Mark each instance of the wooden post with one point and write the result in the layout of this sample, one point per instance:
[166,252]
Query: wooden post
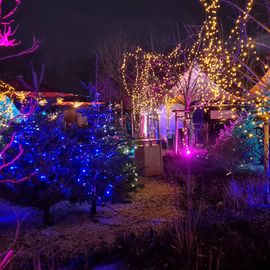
[187,129]
[157,120]
[132,124]
[122,124]
[266,149]
[168,119]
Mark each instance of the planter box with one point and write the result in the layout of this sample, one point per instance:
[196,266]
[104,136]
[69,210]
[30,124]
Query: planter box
[148,156]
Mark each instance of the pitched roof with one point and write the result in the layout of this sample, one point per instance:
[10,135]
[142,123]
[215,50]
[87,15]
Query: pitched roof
[263,86]
[195,86]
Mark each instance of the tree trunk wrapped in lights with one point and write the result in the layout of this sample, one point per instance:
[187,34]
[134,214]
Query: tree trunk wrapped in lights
[197,74]
[253,69]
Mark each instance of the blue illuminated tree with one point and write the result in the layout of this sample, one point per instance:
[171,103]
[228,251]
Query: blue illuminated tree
[45,152]
[105,168]
[80,164]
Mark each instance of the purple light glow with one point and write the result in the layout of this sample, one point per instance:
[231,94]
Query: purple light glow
[187,152]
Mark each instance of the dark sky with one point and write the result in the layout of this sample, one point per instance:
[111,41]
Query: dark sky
[72,28]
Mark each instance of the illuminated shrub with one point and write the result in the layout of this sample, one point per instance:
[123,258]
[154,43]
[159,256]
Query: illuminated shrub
[79,164]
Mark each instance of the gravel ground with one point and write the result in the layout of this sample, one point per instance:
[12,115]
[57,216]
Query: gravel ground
[75,233]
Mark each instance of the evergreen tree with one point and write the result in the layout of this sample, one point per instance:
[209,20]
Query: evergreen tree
[80,164]
[239,144]
[105,168]
[45,152]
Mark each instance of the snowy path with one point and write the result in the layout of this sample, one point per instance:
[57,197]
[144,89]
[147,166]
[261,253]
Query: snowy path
[76,233]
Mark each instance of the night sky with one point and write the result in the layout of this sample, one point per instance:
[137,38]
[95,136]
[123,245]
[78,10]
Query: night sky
[72,28]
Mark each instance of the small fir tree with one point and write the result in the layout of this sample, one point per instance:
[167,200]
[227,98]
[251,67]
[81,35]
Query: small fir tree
[45,152]
[239,144]
[105,168]
[80,164]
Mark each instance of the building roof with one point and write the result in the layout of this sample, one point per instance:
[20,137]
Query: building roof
[194,86]
[263,85]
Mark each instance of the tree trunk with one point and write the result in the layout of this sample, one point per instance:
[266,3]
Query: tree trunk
[93,209]
[266,149]
[47,217]
[266,159]
[189,209]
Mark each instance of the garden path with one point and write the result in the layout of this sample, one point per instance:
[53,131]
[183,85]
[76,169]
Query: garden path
[75,233]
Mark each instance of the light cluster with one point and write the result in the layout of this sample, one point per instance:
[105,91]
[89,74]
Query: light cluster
[7,108]
[147,77]
[9,112]
[210,72]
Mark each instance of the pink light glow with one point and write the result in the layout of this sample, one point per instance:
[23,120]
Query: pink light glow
[186,152]
[6,36]
[6,30]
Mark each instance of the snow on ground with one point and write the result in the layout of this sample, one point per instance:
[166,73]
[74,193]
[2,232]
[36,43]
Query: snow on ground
[75,233]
